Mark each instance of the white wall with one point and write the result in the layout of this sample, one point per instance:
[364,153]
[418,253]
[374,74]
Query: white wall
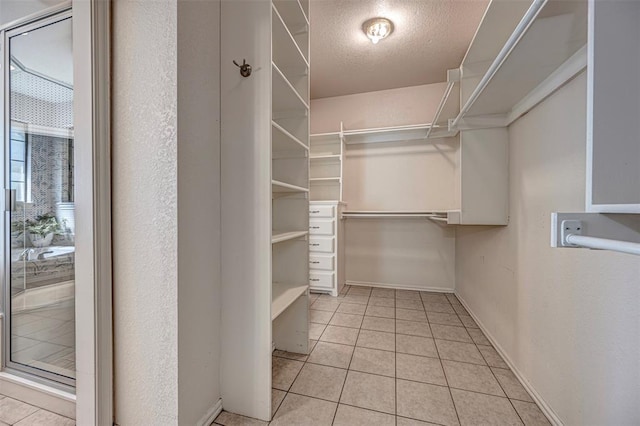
[165,210]
[404,175]
[566,318]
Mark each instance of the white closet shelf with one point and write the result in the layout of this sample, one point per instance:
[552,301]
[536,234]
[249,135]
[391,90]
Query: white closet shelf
[283,141]
[279,237]
[325,179]
[283,295]
[293,15]
[326,157]
[280,187]
[285,97]
[289,52]
[504,85]
[394,134]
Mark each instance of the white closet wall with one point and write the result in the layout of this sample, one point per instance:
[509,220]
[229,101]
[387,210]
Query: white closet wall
[400,175]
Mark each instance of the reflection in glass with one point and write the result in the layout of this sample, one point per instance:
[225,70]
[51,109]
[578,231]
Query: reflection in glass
[40,163]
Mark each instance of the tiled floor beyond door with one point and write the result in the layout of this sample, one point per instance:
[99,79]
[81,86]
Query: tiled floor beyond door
[18,413]
[394,357]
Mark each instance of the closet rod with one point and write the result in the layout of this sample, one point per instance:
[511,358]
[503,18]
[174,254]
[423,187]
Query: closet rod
[511,43]
[604,244]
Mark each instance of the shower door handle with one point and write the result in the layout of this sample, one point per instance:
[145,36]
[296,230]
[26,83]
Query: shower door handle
[10,200]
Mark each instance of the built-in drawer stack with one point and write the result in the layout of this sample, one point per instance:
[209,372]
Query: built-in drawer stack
[325,263]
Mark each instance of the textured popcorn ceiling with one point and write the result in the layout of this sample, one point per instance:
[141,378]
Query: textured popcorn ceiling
[430,37]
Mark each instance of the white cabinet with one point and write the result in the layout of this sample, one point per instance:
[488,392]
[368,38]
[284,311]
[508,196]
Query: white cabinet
[326,258]
[265,195]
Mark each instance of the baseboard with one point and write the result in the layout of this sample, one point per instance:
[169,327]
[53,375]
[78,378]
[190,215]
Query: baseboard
[546,409]
[211,414]
[37,394]
[400,286]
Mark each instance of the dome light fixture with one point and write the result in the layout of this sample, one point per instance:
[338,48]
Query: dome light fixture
[377,29]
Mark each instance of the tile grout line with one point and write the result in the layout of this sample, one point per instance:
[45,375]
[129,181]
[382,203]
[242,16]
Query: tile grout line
[455,408]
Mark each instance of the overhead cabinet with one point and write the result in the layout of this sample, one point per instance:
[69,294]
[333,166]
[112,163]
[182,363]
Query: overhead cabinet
[265,195]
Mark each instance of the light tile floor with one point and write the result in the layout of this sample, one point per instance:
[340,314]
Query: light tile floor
[397,358]
[18,413]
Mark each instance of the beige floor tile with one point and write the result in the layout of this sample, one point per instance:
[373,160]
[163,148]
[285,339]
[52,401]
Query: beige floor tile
[284,372]
[229,419]
[416,345]
[12,410]
[444,319]
[450,332]
[444,308]
[478,337]
[354,416]
[376,340]
[343,335]
[331,354]
[325,305]
[458,351]
[420,369]
[276,399]
[312,344]
[320,381]
[468,321]
[315,330]
[379,324]
[403,421]
[383,292]
[298,410]
[452,298]
[290,355]
[382,301]
[380,311]
[346,320]
[359,291]
[460,310]
[425,402]
[374,361]
[413,328]
[530,414]
[408,294]
[42,417]
[431,297]
[352,308]
[369,391]
[511,385]
[492,357]
[479,409]
[471,377]
[320,317]
[410,315]
[362,300]
[415,304]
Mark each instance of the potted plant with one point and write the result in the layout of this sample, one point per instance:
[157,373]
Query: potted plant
[42,229]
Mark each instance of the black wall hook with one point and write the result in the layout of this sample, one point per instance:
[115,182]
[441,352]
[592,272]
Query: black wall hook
[245,68]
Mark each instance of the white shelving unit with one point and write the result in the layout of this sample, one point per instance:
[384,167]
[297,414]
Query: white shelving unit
[326,158]
[265,192]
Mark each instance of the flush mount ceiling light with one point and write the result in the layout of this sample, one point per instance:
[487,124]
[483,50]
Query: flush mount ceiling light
[377,29]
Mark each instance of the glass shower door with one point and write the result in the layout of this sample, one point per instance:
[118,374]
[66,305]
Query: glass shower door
[40,252]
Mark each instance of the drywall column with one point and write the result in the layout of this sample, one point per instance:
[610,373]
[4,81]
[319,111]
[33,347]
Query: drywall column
[166,210]
[566,319]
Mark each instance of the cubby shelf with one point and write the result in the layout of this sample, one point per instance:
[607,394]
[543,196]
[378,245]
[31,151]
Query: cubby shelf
[283,295]
[279,237]
[283,141]
[325,179]
[286,100]
[283,187]
[326,157]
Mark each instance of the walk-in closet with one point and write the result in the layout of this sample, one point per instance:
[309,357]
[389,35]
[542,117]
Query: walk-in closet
[407,187]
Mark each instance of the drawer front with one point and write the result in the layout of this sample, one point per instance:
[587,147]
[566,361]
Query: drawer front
[321,244]
[321,227]
[319,261]
[321,279]
[321,211]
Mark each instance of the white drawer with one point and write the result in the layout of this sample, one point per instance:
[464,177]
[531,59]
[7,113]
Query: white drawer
[321,227]
[321,244]
[321,211]
[321,279]
[321,261]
